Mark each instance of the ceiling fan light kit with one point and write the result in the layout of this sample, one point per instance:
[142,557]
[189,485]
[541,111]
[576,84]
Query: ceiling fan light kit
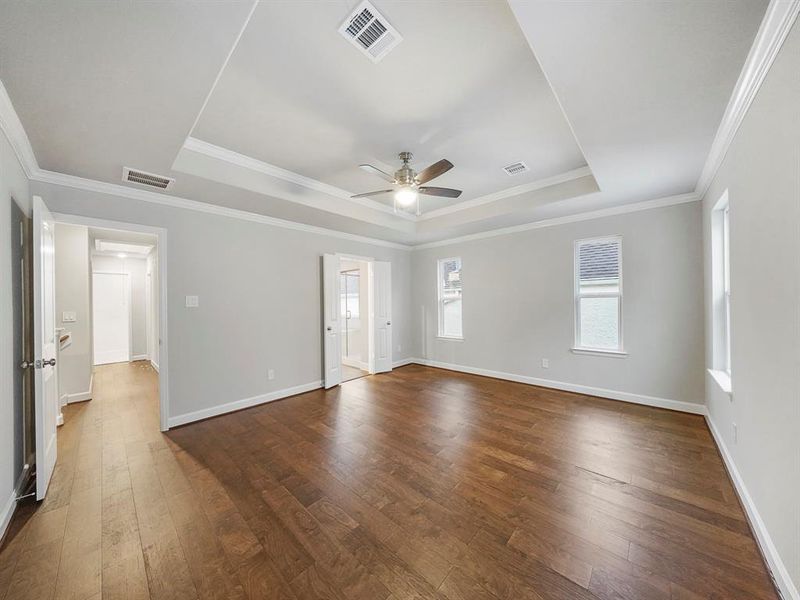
[410,183]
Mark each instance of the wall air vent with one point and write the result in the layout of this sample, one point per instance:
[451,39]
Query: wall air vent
[370,32]
[143,178]
[516,168]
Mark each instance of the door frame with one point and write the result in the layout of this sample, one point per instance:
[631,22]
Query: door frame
[161,250]
[370,304]
[129,294]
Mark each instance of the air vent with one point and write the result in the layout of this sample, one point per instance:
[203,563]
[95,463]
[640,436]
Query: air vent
[370,32]
[143,178]
[516,168]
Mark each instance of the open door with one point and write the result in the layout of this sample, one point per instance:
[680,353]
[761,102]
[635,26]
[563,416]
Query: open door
[382,316]
[331,323]
[44,344]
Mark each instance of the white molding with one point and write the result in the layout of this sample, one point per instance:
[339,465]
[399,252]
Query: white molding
[595,352]
[775,26]
[678,405]
[253,164]
[508,193]
[136,357]
[584,216]
[778,569]
[228,407]
[177,202]
[403,362]
[8,511]
[356,364]
[154,365]
[15,133]
[82,396]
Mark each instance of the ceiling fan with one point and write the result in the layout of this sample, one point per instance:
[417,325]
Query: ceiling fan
[410,183]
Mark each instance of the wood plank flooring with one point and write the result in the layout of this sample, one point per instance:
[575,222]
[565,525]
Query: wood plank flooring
[419,484]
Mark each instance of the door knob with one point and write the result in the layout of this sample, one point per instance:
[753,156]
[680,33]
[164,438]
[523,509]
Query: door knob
[329,328]
[26,365]
[51,363]
[388,322]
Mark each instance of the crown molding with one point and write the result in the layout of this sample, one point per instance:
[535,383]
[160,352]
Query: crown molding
[584,216]
[777,22]
[508,193]
[11,125]
[248,162]
[101,187]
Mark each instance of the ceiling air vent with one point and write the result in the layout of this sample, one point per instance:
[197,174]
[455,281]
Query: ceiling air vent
[143,178]
[516,168]
[370,32]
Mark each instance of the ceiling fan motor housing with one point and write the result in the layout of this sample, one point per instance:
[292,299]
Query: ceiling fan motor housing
[405,175]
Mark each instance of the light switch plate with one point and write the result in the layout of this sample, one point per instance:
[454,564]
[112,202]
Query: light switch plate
[192,301]
[68,316]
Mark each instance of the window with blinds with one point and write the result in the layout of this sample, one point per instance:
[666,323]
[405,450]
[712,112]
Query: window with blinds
[598,294]
[450,297]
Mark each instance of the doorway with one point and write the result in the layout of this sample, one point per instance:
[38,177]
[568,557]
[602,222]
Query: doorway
[356,315]
[354,304]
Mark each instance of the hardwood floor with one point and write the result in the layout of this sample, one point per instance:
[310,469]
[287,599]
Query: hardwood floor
[421,483]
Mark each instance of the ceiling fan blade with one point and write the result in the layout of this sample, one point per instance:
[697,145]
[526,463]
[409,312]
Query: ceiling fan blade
[379,192]
[437,191]
[376,171]
[433,171]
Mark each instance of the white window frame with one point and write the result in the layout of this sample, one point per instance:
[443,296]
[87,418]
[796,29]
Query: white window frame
[440,300]
[578,348]
[726,289]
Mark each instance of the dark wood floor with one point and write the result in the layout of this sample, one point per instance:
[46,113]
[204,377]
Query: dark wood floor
[421,483]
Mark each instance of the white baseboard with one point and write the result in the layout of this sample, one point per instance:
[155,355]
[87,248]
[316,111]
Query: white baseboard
[679,405]
[82,396]
[7,512]
[355,363]
[154,365]
[240,404]
[403,362]
[136,357]
[779,572]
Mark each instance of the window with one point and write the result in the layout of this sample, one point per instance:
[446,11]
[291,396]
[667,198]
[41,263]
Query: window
[449,287]
[598,294]
[726,288]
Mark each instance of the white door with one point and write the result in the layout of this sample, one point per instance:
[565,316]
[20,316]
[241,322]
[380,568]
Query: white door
[382,316]
[331,321]
[110,318]
[44,344]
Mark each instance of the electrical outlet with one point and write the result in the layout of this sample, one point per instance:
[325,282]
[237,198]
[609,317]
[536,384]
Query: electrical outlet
[68,316]
[192,301]
[270,374]
[545,363]
[735,434]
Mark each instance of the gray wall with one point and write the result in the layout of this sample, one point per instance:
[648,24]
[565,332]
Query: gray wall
[518,304]
[259,289]
[760,172]
[72,294]
[13,189]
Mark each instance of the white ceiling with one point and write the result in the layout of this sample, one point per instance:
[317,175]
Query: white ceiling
[271,112]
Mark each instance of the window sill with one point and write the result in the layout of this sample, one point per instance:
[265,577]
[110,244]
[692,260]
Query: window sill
[593,352]
[723,380]
[449,338]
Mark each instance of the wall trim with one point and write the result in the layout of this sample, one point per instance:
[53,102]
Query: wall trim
[114,189]
[677,405]
[775,26]
[136,357]
[584,216]
[154,365]
[358,364]
[508,193]
[253,164]
[403,362]
[15,133]
[81,396]
[780,573]
[228,407]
